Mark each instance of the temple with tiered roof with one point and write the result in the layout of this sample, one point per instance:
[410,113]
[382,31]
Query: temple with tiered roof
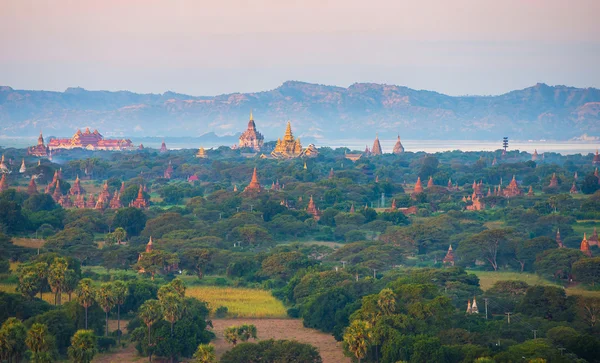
[553,181]
[512,190]
[312,209]
[140,201]
[90,141]
[585,247]
[251,138]
[288,147]
[254,185]
[40,149]
[418,187]
[376,149]
[398,148]
[596,160]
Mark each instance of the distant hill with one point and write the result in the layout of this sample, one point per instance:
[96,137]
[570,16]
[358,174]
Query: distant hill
[359,111]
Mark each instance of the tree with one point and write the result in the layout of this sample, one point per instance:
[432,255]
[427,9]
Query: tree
[205,354]
[272,351]
[120,234]
[85,296]
[251,234]
[132,220]
[196,259]
[120,293]
[12,340]
[57,277]
[29,283]
[587,270]
[150,312]
[557,262]
[588,309]
[387,301]
[83,346]
[243,333]
[71,280]
[106,300]
[171,303]
[526,251]
[357,338]
[487,245]
[41,344]
[156,261]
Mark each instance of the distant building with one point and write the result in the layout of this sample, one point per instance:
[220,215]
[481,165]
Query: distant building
[251,138]
[40,149]
[90,141]
[398,148]
[376,150]
[288,147]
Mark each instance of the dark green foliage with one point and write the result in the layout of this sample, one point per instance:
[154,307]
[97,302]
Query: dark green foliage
[59,324]
[548,302]
[18,306]
[272,351]
[132,220]
[138,292]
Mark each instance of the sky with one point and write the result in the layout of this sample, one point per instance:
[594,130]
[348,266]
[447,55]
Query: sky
[202,47]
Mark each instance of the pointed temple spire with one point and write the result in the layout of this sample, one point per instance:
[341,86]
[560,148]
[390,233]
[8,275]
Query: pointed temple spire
[398,148]
[254,183]
[530,192]
[394,207]
[163,147]
[149,246]
[575,176]
[449,258]
[115,202]
[469,311]
[593,241]
[352,208]
[534,156]
[418,186]
[312,209]
[474,309]
[553,181]
[32,187]
[140,201]
[585,247]
[376,150]
[574,189]
[430,182]
[122,187]
[57,193]
[596,160]
[331,174]
[23,168]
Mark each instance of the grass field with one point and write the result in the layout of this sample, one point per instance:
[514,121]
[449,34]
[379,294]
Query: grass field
[240,302]
[47,296]
[29,242]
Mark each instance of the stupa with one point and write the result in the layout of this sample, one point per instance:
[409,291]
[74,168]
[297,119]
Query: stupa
[140,201]
[449,258]
[376,150]
[418,186]
[398,148]
[585,247]
[40,149]
[288,147]
[254,185]
[312,209]
[251,138]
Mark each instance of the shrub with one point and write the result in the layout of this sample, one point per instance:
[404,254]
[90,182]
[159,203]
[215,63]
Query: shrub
[105,343]
[221,312]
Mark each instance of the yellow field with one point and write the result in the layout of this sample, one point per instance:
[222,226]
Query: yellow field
[28,242]
[240,302]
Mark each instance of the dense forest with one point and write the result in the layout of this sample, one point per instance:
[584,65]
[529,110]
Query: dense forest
[446,257]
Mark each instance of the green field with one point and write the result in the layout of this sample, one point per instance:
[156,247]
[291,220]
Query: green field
[240,302]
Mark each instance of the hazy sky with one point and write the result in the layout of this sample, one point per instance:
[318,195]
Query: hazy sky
[204,47]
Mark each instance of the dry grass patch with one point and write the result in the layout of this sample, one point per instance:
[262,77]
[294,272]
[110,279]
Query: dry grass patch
[488,278]
[240,302]
[28,242]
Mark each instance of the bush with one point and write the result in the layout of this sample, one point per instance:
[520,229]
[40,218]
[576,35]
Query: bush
[293,312]
[221,312]
[220,281]
[105,343]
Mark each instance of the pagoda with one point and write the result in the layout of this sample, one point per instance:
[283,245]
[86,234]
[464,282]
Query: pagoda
[573,189]
[352,210]
[331,174]
[449,258]
[585,247]
[430,182]
[251,138]
[3,183]
[495,161]
[512,190]
[474,309]
[288,147]
[57,193]
[534,156]
[163,147]
[596,160]
[201,153]
[530,192]
[593,241]
[90,141]
[122,190]
[312,209]
[90,202]
[23,168]
[477,203]
[104,194]
[575,176]
[65,202]
[99,204]
[76,187]
[418,186]
[32,187]
[553,181]
[398,148]
[254,185]
[115,202]
[310,151]
[558,239]
[450,185]
[140,201]
[3,167]
[376,150]
[169,171]
[40,149]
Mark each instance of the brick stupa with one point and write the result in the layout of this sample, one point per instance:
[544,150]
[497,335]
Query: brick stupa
[254,185]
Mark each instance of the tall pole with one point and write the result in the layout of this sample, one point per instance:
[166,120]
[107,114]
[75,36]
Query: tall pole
[534,334]
[486,311]
[508,316]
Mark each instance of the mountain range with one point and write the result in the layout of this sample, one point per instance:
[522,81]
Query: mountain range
[316,111]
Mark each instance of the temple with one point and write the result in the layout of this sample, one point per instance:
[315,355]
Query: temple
[32,187]
[90,141]
[553,181]
[312,209]
[585,247]
[474,309]
[418,186]
[398,148]
[76,188]
[288,147]
[40,149]
[558,239]
[163,147]
[573,189]
[3,166]
[201,153]
[449,258]
[254,185]
[596,160]
[534,156]
[3,183]
[430,182]
[376,150]
[512,190]
[593,241]
[23,167]
[251,138]
[140,201]
[168,174]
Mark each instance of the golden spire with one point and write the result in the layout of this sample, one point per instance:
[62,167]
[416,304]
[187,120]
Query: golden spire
[251,116]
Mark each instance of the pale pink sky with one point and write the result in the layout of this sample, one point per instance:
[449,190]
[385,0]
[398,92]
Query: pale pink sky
[211,47]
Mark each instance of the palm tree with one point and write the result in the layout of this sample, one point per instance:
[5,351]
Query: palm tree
[106,299]
[150,312]
[29,283]
[171,300]
[71,281]
[56,278]
[83,346]
[12,340]
[231,335]
[119,293]
[179,286]
[85,296]
[387,301]
[357,337]
[40,343]
[205,354]
[41,270]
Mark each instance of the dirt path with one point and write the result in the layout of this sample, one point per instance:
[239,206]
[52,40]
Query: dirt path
[291,329]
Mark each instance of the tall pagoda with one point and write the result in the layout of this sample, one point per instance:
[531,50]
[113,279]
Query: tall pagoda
[163,147]
[585,247]
[251,138]
[512,190]
[288,147]
[418,186]
[76,188]
[115,202]
[32,187]
[312,209]
[3,183]
[140,201]
[593,241]
[596,160]
[376,150]
[430,182]
[558,239]
[40,149]
[398,148]
[553,181]
[201,153]
[254,185]
[574,189]
[534,156]
[23,168]
[168,174]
